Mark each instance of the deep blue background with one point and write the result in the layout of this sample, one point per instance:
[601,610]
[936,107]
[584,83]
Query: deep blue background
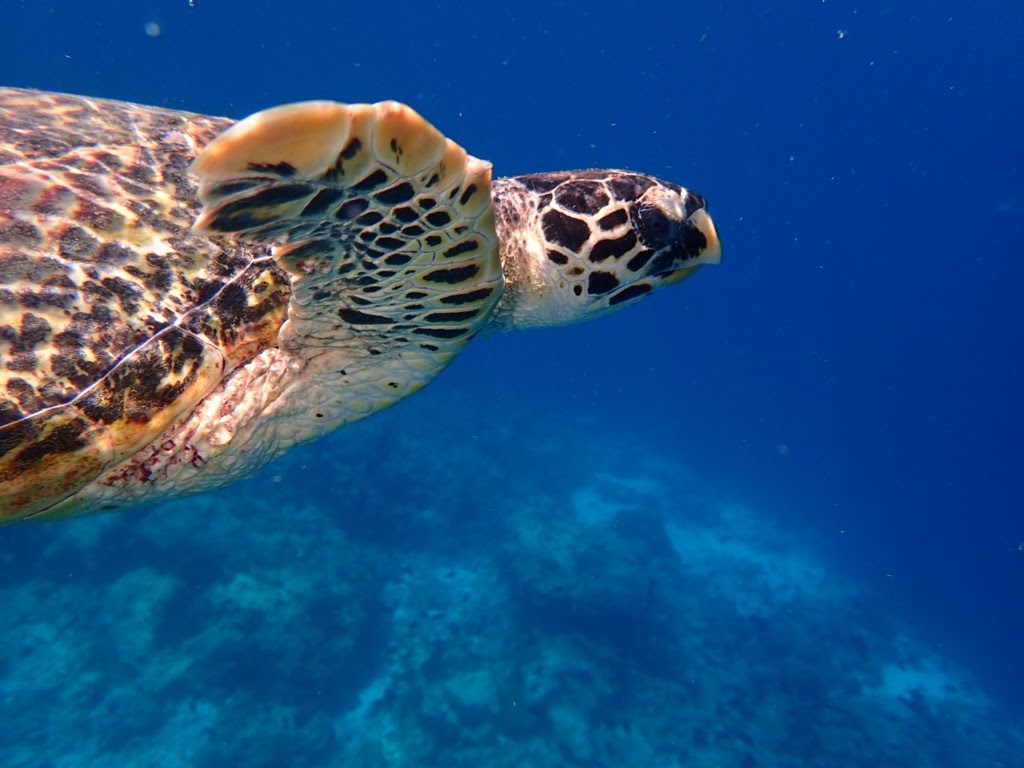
[854,366]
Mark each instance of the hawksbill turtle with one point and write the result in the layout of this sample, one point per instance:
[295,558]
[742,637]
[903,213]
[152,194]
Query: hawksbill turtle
[184,298]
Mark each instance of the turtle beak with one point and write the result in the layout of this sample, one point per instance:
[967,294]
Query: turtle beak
[700,222]
[701,243]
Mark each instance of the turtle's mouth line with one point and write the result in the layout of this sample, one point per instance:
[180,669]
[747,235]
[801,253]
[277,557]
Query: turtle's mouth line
[673,276]
[700,244]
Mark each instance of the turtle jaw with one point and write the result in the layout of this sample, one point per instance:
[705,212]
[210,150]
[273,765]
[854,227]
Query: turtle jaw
[702,247]
[700,222]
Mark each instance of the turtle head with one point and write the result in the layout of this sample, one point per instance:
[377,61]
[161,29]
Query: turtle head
[577,245]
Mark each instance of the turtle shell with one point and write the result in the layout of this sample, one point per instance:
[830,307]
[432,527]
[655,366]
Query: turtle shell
[115,317]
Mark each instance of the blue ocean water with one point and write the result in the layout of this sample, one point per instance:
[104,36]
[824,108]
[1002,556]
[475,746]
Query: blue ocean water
[772,516]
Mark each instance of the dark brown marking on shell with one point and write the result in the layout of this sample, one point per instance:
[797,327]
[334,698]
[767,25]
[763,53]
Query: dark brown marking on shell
[565,230]
[19,268]
[639,261]
[601,282]
[54,201]
[20,234]
[405,214]
[470,297]
[358,317]
[141,385]
[34,330]
[367,219]
[354,209]
[322,201]
[282,169]
[115,254]
[441,333]
[61,439]
[351,149]
[466,246]
[614,219]
[467,195]
[16,432]
[376,179]
[98,218]
[612,248]
[630,292]
[627,187]
[453,275]
[450,317]
[587,197]
[438,219]
[243,316]
[77,244]
[399,193]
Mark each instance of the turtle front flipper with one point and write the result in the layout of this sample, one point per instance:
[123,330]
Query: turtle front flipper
[387,230]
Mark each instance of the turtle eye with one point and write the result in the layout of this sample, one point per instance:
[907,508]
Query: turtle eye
[653,227]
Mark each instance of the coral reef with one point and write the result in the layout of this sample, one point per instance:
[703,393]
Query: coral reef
[517,599]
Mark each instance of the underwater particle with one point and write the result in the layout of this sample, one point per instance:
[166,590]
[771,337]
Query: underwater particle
[152,29]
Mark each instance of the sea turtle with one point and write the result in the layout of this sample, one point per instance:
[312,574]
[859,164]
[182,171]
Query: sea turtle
[184,298]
